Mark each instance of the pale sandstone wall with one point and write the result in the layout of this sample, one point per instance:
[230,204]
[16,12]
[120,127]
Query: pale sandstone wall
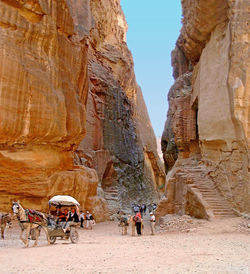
[222,136]
[215,43]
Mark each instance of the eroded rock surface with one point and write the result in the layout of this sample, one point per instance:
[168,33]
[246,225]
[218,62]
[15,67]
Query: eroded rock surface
[119,140]
[66,72]
[207,121]
[43,104]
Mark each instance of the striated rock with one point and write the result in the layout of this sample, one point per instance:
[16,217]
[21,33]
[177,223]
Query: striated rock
[119,135]
[179,136]
[66,73]
[211,118]
[42,102]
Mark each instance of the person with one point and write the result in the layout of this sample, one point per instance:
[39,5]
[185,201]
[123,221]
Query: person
[150,208]
[154,206]
[82,218]
[72,217]
[89,220]
[138,223]
[63,215]
[152,223]
[132,208]
[136,208]
[144,208]
[141,210]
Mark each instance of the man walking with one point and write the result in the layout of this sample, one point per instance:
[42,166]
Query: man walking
[152,223]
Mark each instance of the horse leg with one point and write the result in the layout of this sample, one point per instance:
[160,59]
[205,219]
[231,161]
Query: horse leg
[21,236]
[27,235]
[2,231]
[133,228]
[36,235]
[47,234]
[125,230]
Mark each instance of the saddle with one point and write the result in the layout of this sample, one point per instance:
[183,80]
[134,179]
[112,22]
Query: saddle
[34,216]
[124,221]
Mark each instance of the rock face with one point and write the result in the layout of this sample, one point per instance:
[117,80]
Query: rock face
[207,130]
[120,141]
[66,72]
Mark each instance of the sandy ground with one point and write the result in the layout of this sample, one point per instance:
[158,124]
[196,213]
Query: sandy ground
[220,246]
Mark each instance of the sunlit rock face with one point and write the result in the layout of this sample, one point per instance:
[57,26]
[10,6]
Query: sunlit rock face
[66,73]
[43,92]
[208,120]
[120,143]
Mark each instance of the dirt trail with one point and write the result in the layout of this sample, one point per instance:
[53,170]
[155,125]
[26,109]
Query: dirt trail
[221,246]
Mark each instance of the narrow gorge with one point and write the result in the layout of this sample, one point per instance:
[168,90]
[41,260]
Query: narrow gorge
[73,119]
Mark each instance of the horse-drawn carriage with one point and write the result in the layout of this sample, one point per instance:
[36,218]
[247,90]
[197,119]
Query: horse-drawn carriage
[58,228]
[32,221]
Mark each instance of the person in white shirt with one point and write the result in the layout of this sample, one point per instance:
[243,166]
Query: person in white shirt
[152,223]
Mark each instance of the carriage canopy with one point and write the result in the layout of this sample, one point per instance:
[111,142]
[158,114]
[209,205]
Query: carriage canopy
[63,200]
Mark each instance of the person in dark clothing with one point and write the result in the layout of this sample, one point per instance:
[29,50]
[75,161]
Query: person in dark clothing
[138,223]
[150,208]
[82,218]
[154,206]
[141,211]
[73,216]
[136,209]
[63,215]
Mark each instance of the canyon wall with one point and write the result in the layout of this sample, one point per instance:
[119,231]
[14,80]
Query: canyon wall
[120,143]
[66,73]
[206,136]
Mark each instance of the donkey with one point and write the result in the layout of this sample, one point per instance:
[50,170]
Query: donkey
[4,220]
[30,219]
[123,223]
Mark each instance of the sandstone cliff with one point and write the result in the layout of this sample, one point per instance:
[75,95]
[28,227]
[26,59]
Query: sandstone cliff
[206,138]
[120,142]
[66,72]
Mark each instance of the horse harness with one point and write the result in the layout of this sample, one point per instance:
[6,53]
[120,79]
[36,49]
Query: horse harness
[32,216]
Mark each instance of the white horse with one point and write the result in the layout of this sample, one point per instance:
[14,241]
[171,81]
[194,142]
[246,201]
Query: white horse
[39,220]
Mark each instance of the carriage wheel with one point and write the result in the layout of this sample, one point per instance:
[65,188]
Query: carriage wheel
[52,239]
[73,235]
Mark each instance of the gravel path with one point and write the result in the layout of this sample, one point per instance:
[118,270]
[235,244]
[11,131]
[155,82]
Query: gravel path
[221,246]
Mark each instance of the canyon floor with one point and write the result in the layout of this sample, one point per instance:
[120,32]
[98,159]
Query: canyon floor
[218,246]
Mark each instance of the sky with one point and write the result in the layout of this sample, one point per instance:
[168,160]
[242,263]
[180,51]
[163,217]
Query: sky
[153,28]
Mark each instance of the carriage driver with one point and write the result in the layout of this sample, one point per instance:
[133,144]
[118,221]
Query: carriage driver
[73,216]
